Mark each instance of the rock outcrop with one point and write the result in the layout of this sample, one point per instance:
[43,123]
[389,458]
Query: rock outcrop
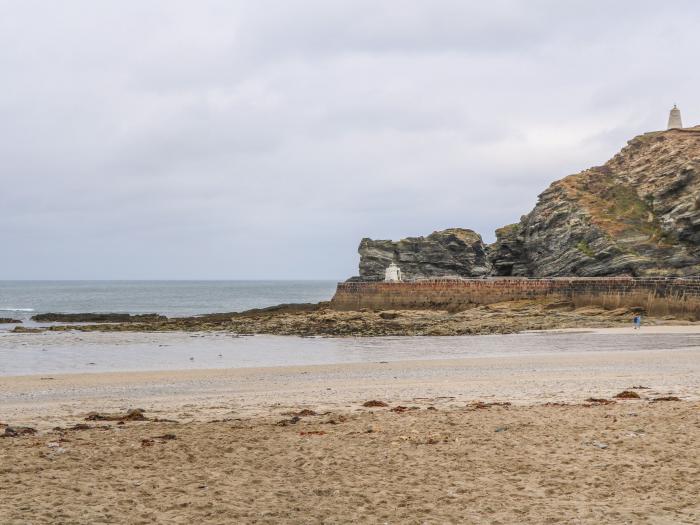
[499,318]
[507,254]
[454,252]
[52,317]
[638,215]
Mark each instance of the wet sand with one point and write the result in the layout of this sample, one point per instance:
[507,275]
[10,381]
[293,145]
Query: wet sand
[51,353]
[446,461]
[200,394]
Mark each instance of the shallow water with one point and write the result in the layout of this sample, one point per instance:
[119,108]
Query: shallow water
[74,352]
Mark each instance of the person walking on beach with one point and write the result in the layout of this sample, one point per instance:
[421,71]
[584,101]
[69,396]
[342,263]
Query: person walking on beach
[637,321]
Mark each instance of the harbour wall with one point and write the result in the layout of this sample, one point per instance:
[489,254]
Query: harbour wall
[654,296]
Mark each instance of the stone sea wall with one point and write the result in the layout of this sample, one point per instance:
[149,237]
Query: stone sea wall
[655,296]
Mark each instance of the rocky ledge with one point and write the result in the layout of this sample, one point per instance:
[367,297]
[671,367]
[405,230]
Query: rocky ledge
[320,320]
[7,320]
[97,318]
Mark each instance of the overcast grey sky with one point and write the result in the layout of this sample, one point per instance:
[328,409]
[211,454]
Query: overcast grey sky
[264,139]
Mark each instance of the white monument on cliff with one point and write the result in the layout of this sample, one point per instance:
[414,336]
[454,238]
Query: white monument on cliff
[392,274]
[674,119]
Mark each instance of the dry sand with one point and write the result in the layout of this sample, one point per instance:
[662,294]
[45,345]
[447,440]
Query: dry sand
[634,461]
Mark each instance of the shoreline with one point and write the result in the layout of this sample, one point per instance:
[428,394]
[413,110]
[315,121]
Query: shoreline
[531,379]
[512,316]
[644,330]
[77,352]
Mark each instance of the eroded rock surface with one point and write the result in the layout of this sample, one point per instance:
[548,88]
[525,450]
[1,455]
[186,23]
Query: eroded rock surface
[498,318]
[96,318]
[455,252]
[638,214]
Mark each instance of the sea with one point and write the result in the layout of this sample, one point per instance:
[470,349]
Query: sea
[23,299]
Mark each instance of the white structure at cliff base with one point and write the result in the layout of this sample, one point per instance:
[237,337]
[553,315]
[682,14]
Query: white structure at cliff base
[392,274]
[674,119]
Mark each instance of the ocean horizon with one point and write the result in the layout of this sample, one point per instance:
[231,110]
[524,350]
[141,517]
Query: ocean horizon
[22,299]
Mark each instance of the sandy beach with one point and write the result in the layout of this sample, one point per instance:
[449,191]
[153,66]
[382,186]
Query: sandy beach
[349,262]
[233,445]
[632,462]
[48,400]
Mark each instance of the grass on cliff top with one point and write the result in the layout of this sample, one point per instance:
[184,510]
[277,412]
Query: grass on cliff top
[585,249]
[615,208]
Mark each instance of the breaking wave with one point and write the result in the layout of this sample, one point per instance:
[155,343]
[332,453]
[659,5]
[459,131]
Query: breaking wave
[16,309]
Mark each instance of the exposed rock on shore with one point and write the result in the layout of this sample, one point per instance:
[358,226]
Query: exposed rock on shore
[499,318]
[7,320]
[454,252]
[97,318]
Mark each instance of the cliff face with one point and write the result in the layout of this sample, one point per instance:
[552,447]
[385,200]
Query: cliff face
[449,253]
[638,214]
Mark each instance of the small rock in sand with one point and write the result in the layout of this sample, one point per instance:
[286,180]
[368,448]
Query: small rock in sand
[135,414]
[600,401]
[481,404]
[285,422]
[166,437]
[80,426]
[302,413]
[627,394]
[374,403]
[18,431]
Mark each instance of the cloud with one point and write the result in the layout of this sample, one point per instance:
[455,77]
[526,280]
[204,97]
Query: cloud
[218,139]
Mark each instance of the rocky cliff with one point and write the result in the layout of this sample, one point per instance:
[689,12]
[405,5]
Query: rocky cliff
[638,215]
[454,252]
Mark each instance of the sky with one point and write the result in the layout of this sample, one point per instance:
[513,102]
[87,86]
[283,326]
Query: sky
[168,139]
